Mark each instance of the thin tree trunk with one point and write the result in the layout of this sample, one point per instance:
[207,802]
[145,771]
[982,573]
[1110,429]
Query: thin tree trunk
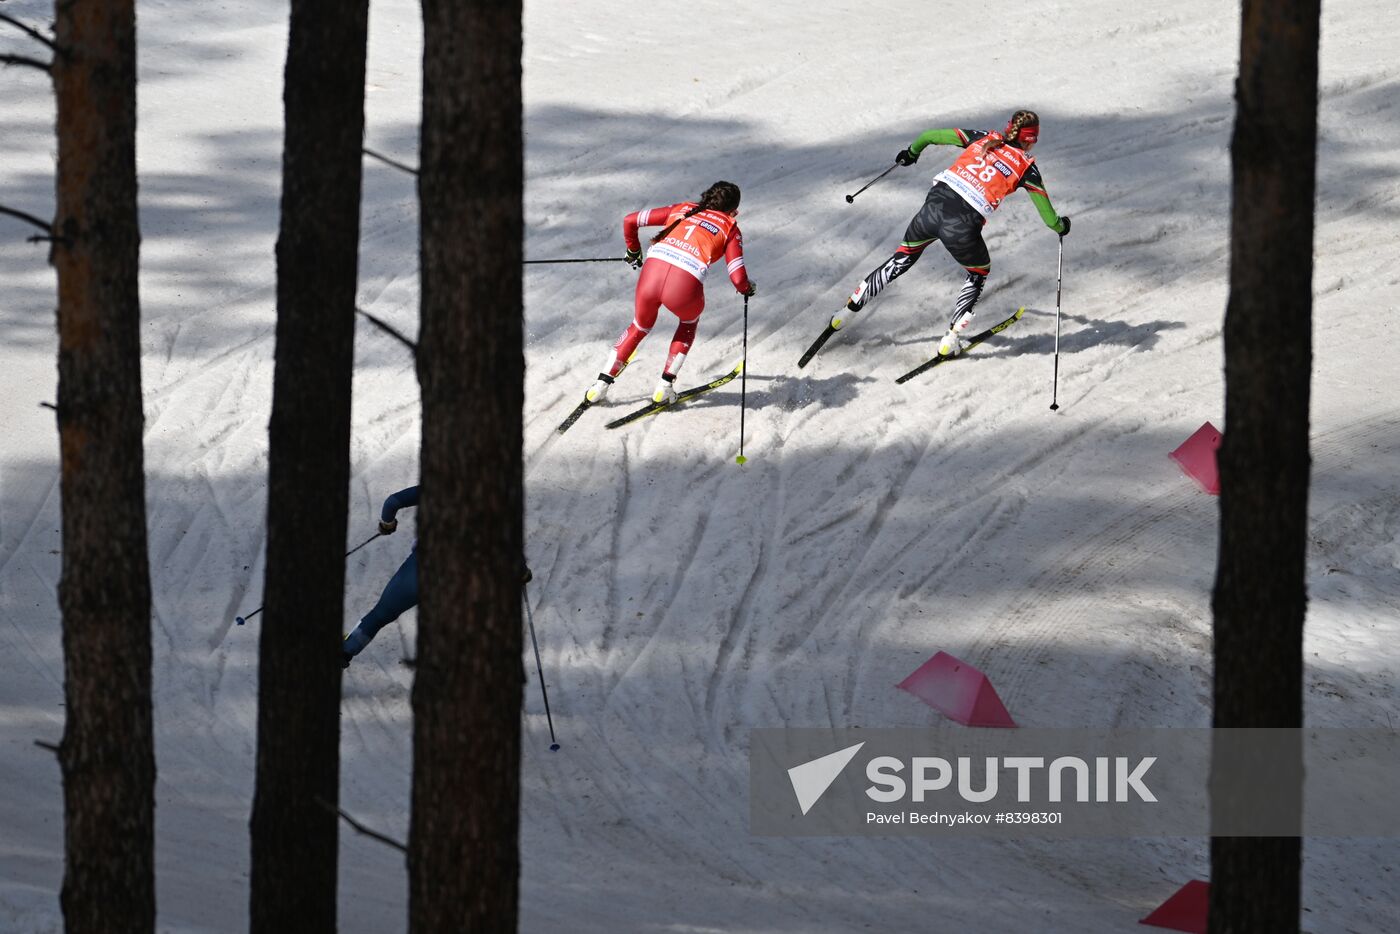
[1260,593]
[108,749]
[294,841]
[463,836]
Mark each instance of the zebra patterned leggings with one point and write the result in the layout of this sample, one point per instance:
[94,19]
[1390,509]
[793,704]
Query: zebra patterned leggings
[944,217]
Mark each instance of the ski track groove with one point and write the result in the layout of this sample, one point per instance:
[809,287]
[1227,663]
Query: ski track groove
[1045,452]
[1013,647]
[37,659]
[837,601]
[169,544]
[685,564]
[975,532]
[206,369]
[614,555]
[839,520]
[216,682]
[32,522]
[238,594]
[389,415]
[536,459]
[831,719]
[774,547]
[224,516]
[740,618]
[159,617]
[545,418]
[996,518]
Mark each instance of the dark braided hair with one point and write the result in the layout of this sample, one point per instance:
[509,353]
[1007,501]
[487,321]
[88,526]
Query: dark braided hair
[721,196]
[1019,120]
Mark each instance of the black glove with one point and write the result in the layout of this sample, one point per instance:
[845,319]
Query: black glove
[753,287]
[526,576]
[1064,220]
[634,258]
[389,527]
[906,157]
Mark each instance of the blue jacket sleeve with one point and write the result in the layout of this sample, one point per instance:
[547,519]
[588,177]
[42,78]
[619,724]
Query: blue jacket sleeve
[403,499]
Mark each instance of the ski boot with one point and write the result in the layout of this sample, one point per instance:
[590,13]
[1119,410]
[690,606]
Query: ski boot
[599,390]
[665,392]
[953,342]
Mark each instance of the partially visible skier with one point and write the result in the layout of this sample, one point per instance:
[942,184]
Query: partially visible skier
[963,196]
[696,234]
[401,593]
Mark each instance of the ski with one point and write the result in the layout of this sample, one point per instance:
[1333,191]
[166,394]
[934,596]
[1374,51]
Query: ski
[822,338]
[651,408]
[975,340]
[574,416]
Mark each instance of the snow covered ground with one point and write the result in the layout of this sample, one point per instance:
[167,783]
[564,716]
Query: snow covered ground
[682,600]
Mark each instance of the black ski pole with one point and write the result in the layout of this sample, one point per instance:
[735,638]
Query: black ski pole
[589,259]
[743,383]
[363,544]
[530,617]
[1059,282]
[240,620]
[851,198]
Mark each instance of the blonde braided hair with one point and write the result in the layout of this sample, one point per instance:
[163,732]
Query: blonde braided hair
[1019,120]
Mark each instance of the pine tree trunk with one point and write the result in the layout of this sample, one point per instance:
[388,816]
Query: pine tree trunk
[1260,594]
[107,753]
[294,840]
[463,836]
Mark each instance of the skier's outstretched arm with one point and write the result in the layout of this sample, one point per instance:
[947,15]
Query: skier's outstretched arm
[949,137]
[1035,187]
[403,499]
[647,217]
[734,263]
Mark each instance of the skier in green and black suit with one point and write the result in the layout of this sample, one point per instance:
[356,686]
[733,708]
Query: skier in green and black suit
[963,196]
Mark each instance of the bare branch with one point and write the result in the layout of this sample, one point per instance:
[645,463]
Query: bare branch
[390,841]
[387,161]
[47,405]
[45,226]
[30,62]
[390,330]
[32,33]
[45,745]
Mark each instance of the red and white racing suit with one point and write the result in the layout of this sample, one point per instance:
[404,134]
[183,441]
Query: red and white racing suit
[674,274]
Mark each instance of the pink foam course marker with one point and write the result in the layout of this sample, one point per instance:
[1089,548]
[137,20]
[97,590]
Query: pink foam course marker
[1196,458]
[958,690]
[1184,911]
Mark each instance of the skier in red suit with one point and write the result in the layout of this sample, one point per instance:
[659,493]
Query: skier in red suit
[696,234]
